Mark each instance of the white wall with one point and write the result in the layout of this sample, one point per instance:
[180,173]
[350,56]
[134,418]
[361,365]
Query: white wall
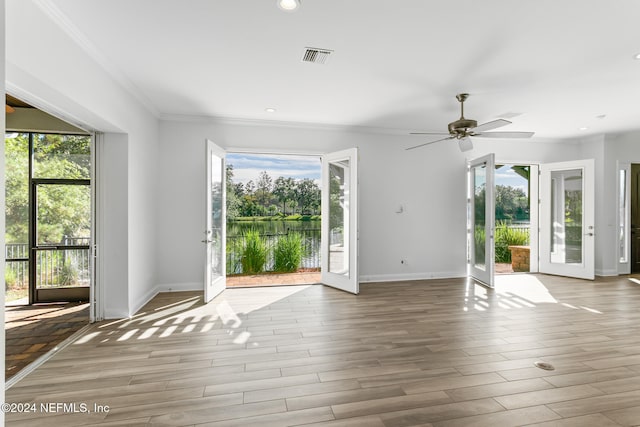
[50,69]
[429,183]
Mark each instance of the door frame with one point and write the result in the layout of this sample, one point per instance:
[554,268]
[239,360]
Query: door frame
[350,283]
[213,286]
[487,275]
[586,269]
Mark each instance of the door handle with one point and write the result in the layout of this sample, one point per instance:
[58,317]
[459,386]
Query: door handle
[588,234]
[206,241]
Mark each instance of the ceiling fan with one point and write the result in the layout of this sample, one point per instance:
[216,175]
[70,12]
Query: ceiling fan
[462,129]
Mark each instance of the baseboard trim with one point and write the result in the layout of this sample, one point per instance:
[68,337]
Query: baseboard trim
[411,276]
[165,287]
[607,273]
[179,287]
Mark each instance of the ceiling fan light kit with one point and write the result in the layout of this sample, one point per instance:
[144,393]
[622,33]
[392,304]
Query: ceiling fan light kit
[462,129]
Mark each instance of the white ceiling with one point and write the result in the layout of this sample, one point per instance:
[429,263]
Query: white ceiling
[396,65]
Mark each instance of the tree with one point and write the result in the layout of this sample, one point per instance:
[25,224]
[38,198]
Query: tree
[511,203]
[63,210]
[283,191]
[307,192]
[234,194]
[263,189]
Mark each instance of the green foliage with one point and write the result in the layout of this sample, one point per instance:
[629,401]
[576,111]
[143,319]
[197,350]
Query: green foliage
[234,247]
[254,253]
[10,279]
[511,203]
[68,274]
[287,253]
[506,236]
[479,239]
[270,197]
[62,210]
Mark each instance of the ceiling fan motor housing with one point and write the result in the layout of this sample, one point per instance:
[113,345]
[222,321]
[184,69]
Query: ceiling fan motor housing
[462,127]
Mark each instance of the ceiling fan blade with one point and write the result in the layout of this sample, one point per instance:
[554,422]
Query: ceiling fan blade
[429,133]
[503,134]
[465,144]
[494,124]
[427,143]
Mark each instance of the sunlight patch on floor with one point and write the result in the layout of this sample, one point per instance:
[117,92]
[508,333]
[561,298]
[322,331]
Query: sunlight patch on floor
[524,288]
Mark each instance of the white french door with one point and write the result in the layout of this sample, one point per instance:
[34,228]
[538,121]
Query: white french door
[215,275]
[567,238]
[339,236]
[481,218]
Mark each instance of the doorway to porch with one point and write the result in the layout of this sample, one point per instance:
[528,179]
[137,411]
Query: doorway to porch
[273,219]
[513,218]
[48,219]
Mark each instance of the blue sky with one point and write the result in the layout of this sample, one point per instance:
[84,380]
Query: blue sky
[507,177]
[248,166]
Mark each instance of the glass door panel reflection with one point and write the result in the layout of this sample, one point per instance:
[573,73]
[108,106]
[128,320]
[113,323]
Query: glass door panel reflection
[338,218]
[566,216]
[215,275]
[479,215]
[481,218]
[339,240]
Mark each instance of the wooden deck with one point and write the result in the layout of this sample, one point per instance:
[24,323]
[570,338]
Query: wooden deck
[422,353]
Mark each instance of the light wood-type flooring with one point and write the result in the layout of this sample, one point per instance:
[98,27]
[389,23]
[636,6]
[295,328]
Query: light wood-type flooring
[421,353]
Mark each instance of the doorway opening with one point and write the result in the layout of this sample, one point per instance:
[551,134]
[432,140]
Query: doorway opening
[273,219]
[48,218]
[634,220]
[513,218]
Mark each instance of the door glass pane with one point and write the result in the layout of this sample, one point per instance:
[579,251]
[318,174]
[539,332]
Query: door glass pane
[479,175]
[16,250]
[566,216]
[63,218]
[63,215]
[622,215]
[215,235]
[339,218]
[61,156]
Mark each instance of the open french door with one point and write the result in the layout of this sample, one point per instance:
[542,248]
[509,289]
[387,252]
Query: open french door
[339,239]
[481,218]
[567,218]
[215,275]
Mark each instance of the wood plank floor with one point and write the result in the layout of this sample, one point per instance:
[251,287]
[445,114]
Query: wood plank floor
[423,353]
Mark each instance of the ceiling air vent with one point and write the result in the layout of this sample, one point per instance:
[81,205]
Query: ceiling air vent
[317,56]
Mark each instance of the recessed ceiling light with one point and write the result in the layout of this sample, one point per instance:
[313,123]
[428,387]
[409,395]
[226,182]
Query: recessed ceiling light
[601,116]
[288,5]
[583,128]
[636,56]
[270,110]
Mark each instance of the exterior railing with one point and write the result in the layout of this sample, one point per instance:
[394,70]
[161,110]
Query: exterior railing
[310,250]
[54,267]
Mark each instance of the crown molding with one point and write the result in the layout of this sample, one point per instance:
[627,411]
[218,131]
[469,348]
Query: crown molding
[63,21]
[237,121]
